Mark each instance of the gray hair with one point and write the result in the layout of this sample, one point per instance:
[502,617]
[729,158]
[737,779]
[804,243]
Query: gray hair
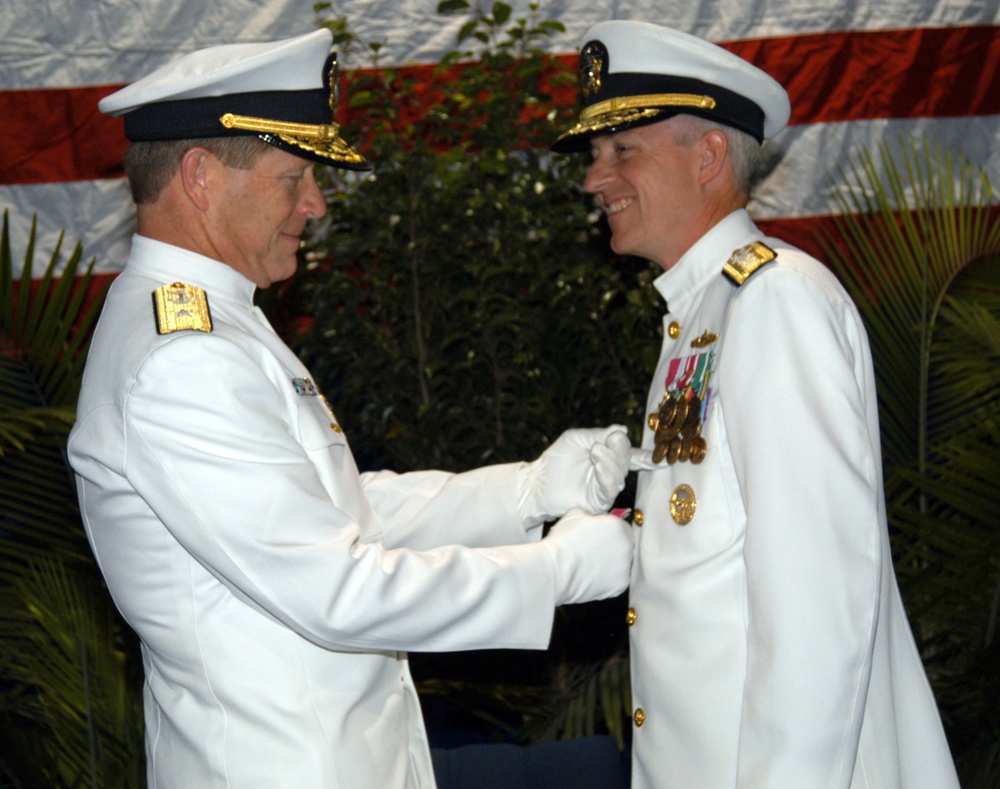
[746,155]
[150,165]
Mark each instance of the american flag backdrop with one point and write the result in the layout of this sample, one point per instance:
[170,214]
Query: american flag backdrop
[859,72]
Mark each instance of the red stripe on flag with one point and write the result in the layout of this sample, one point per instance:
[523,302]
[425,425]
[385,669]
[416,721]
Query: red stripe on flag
[57,135]
[853,76]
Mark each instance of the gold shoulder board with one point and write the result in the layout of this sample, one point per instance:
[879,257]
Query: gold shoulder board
[181,307]
[746,260]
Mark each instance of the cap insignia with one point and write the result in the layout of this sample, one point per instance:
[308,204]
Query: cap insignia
[332,68]
[746,260]
[181,307]
[592,59]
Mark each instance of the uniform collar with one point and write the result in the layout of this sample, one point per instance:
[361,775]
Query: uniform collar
[703,262]
[167,263]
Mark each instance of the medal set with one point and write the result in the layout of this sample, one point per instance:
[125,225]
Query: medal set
[676,425]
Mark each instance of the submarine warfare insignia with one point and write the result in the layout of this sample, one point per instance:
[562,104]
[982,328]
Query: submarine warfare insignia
[676,426]
[746,260]
[181,307]
[704,340]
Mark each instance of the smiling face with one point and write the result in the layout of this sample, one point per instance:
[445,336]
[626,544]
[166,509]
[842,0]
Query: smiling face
[260,214]
[650,188]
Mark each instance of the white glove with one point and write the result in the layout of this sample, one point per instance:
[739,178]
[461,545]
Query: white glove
[592,556]
[583,468]
[642,460]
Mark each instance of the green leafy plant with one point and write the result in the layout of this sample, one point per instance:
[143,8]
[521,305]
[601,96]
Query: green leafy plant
[462,304]
[918,246]
[70,712]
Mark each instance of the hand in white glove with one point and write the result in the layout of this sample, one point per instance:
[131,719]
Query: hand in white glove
[611,460]
[583,468]
[592,556]
[642,460]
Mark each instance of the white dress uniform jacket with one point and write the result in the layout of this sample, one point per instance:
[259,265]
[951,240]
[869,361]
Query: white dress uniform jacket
[260,570]
[769,644]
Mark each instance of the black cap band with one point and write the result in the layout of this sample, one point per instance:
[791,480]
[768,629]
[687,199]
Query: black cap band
[187,119]
[730,108]
[656,97]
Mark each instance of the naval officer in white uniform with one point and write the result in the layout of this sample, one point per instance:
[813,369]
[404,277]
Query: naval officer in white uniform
[274,589]
[769,646]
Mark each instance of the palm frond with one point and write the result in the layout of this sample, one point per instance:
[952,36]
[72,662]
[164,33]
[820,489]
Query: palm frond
[586,697]
[965,389]
[46,326]
[69,651]
[69,713]
[903,235]
[19,428]
[583,699]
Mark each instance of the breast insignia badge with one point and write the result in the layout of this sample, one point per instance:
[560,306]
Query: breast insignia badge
[683,503]
[181,307]
[746,260]
[706,339]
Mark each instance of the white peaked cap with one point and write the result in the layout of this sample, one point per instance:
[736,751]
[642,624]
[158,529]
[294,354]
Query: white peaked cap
[283,92]
[634,73]
[292,64]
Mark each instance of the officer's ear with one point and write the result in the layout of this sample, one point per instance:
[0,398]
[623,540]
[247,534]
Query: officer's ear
[712,148]
[194,175]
